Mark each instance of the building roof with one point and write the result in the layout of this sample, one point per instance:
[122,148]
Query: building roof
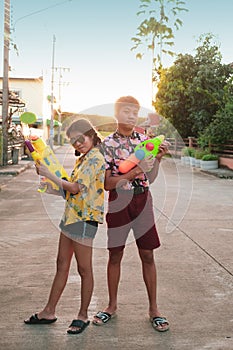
[23,78]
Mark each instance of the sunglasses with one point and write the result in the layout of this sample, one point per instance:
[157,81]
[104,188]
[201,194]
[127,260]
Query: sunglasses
[79,139]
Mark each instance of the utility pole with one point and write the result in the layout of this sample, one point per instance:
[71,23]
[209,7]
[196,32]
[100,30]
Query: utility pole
[60,83]
[52,97]
[5,85]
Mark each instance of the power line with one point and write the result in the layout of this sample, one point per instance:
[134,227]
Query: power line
[39,11]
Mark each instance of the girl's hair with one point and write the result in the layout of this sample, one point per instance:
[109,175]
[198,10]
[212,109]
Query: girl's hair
[125,100]
[83,126]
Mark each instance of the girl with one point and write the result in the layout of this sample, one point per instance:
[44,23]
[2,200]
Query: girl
[84,193]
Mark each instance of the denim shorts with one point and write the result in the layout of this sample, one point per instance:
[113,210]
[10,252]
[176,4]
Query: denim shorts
[80,229]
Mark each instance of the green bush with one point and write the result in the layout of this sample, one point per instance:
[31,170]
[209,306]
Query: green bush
[191,152]
[210,156]
[220,130]
[199,153]
[186,151]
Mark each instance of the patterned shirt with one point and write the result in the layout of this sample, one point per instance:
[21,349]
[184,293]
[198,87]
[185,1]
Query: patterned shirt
[117,147]
[88,204]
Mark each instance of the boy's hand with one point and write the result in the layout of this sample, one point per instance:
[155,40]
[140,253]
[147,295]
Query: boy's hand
[163,149]
[147,164]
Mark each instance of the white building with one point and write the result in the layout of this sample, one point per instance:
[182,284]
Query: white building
[31,91]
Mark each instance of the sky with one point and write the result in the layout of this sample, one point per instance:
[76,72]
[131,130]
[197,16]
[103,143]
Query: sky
[93,44]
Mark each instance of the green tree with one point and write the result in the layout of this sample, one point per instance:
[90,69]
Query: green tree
[156,31]
[172,99]
[207,89]
[220,130]
[192,90]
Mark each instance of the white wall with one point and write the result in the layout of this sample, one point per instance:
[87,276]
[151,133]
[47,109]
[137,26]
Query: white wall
[31,91]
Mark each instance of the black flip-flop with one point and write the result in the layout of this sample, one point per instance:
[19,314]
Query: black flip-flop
[81,325]
[35,320]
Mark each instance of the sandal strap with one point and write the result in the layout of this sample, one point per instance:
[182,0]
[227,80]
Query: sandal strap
[77,323]
[103,316]
[159,320]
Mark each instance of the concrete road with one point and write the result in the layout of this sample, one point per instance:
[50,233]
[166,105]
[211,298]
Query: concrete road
[194,214]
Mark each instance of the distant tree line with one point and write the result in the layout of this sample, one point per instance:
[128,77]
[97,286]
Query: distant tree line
[102,123]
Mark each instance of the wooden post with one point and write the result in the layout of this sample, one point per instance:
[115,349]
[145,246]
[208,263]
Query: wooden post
[5,83]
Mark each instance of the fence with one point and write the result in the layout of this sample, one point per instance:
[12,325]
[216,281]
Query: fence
[225,151]
[178,144]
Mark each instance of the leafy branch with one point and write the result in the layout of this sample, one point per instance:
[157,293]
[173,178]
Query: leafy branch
[156,31]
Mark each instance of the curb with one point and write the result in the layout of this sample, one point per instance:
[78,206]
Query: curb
[15,169]
[10,171]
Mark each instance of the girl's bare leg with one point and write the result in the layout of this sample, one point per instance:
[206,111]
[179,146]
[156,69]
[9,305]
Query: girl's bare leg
[64,256]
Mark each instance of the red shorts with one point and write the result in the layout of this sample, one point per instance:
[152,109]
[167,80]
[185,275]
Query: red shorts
[131,211]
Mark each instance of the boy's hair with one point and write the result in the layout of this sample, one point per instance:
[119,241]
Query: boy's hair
[123,101]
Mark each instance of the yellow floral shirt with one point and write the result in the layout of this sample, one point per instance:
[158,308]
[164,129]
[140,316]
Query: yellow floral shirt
[88,204]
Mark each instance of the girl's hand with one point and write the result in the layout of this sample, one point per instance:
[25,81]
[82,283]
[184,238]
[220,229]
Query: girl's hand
[49,187]
[46,187]
[42,170]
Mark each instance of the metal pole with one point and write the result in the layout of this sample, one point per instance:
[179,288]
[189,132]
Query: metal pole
[5,85]
[59,109]
[52,97]
[60,83]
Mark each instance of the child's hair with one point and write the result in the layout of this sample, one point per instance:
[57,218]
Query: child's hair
[84,127]
[125,100]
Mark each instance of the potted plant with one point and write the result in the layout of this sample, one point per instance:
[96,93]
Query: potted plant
[199,153]
[185,154]
[209,161]
[192,156]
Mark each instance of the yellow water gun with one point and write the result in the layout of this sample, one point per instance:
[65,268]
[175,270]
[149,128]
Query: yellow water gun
[42,153]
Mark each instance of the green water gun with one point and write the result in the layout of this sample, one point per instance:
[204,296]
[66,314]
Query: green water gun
[142,150]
